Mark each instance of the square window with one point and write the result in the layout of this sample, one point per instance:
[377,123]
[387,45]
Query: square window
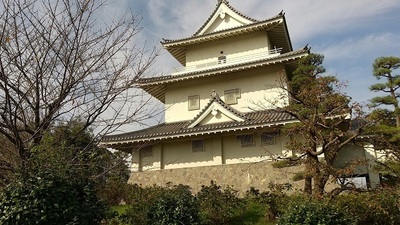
[231,96]
[221,59]
[194,102]
[147,151]
[246,140]
[269,138]
[198,146]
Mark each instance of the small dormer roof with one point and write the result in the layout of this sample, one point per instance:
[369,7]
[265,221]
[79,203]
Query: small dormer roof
[217,105]
[239,24]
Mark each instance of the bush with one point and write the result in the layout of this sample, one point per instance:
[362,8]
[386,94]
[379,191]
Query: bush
[174,207]
[274,200]
[139,200]
[381,207]
[308,211]
[218,206]
[157,205]
[48,199]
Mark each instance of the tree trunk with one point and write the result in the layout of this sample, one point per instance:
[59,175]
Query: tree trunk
[320,180]
[308,175]
[308,185]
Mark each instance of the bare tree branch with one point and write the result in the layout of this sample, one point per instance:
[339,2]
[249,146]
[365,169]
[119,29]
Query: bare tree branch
[59,61]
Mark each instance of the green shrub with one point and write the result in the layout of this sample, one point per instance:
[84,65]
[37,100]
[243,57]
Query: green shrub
[274,200]
[380,207]
[218,206]
[307,211]
[139,200]
[158,205]
[48,199]
[174,206]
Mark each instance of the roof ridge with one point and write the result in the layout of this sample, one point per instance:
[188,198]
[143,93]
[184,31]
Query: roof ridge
[167,41]
[215,98]
[220,2]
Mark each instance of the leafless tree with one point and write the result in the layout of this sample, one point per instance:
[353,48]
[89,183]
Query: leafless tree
[61,60]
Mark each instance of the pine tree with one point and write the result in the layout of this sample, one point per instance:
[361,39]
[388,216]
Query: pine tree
[323,128]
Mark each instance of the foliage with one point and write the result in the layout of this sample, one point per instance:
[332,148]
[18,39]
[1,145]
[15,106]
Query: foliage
[48,199]
[63,178]
[274,200]
[298,176]
[68,150]
[174,207]
[218,205]
[305,210]
[389,171]
[173,204]
[371,208]
[8,161]
[285,163]
[383,68]
[164,205]
[139,201]
[386,129]
[323,127]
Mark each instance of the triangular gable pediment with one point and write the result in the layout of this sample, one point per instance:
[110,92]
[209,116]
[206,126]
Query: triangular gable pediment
[216,112]
[224,17]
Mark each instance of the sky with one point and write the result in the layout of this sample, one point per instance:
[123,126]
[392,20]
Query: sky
[350,34]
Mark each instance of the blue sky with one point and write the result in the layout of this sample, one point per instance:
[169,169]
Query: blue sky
[351,34]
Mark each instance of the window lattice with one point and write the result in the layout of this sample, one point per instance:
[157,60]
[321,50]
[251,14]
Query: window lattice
[246,140]
[198,146]
[269,138]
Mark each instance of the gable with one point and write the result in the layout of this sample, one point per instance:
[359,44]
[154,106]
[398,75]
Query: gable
[225,17]
[216,112]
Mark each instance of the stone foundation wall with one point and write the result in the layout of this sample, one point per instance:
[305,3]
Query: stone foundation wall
[240,176]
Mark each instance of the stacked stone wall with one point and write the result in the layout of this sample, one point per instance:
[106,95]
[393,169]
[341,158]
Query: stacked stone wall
[239,176]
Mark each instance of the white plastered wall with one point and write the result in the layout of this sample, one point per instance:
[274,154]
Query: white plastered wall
[234,47]
[259,89]
[362,157]
[219,149]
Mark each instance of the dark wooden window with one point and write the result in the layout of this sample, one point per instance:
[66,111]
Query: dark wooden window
[269,138]
[246,140]
[198,146]
[221,59]
[147,151]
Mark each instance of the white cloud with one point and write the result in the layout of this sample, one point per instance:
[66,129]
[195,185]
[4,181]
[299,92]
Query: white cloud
[349,33]
[372,45]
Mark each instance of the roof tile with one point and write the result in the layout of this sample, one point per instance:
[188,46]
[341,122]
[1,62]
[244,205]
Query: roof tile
[255,119]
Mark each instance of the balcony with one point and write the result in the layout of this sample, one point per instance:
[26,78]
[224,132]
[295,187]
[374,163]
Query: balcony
[227,61]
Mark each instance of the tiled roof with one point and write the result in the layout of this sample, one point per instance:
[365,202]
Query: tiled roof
[271,60]
[156,85]
[256,23]
[257,119]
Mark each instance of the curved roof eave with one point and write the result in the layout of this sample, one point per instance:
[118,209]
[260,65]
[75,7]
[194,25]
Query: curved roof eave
[276,26]
[156,85]
[167,43]
[168,131]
